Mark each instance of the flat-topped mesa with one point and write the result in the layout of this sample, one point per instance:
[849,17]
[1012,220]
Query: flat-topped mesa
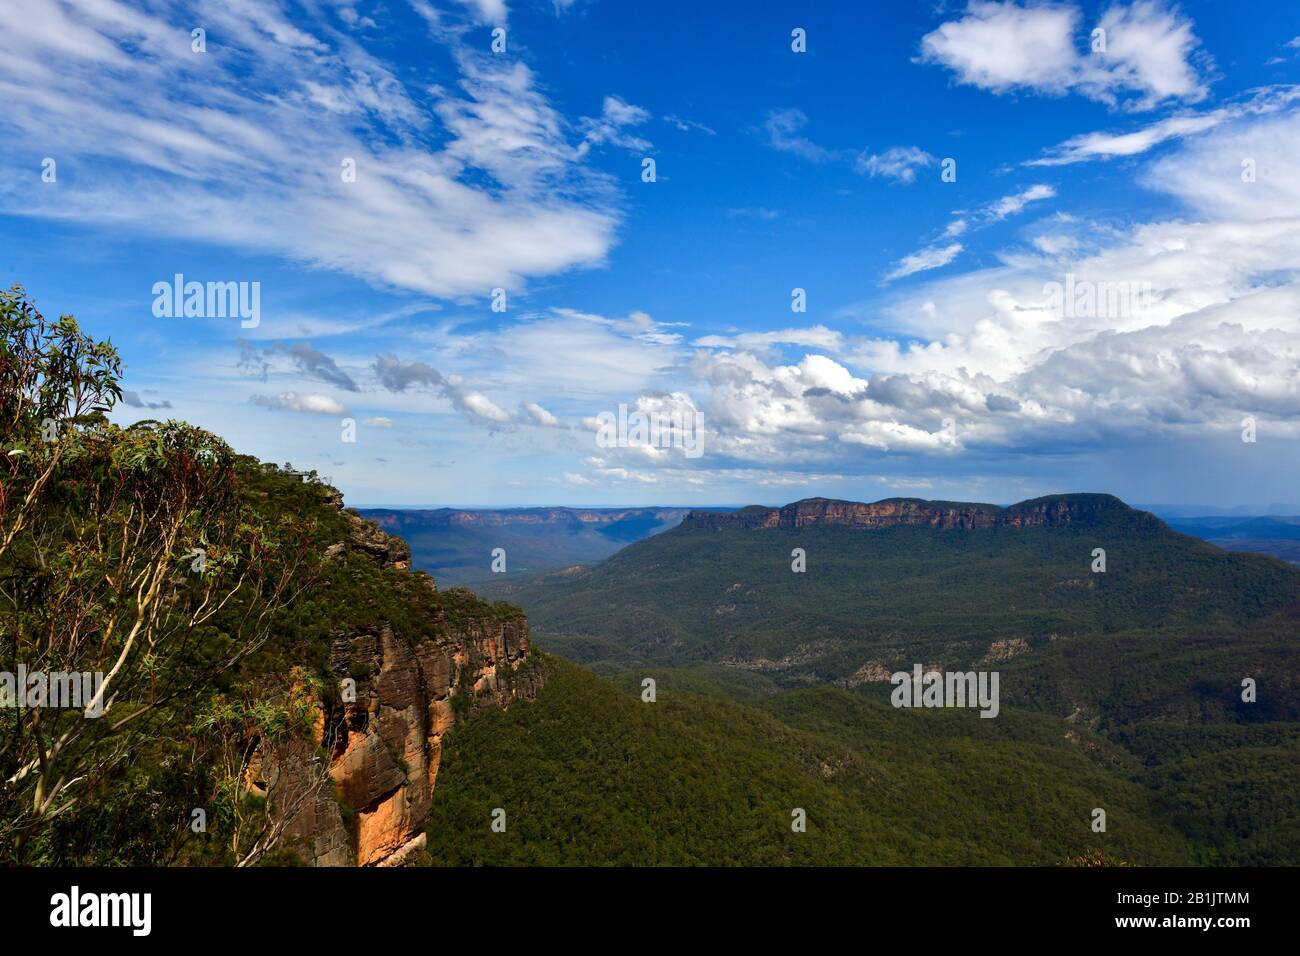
[1050,511]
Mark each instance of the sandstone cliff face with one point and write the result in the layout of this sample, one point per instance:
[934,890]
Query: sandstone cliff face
[384,738]
[1056,511]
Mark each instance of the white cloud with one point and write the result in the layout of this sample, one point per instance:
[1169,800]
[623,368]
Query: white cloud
[940,254]
[616,114]
[932,257]
[150,126]
[487,11]
[818,336]
[1053,245]
[686,125]
[1089,146]
[1015,203]
[1006,46]
[1208,172]
[1149,49]
[478,405]
[1100,145]
[638,324]
[1001,46]
[895,436]
[898,162]
[1187,326]
[296,402]
[541,416]
[784,133]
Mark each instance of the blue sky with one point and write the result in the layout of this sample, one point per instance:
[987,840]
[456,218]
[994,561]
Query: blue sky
[1154,175]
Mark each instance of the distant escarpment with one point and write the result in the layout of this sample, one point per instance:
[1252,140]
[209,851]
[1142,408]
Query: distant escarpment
[1051,511]
[402,687]
[456,545]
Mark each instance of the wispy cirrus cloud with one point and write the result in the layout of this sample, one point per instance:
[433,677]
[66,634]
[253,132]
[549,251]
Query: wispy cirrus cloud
[923,260]
[784,130]
[686,125]
[458,189]
[1087,146]
[785,133]
[1107,145]
[941,253]
[1016,202]
[898,162]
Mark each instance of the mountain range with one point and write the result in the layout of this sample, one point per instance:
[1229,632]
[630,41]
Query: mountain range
[1275,535]
[281,683]
[1137,670]
[457,545]
[893,582]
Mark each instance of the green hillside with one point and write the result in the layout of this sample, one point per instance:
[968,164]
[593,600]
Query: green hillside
[894,595]
[589,774]
[1144,662]
[227,602]
[205,588]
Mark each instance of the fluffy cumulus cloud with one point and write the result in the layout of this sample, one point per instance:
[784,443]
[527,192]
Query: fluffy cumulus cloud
[299,402]
[322,154]
[1137,55]
[1179,328]
[1086,333]
[541,416]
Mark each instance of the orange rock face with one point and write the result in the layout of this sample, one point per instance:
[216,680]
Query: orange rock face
[385,746]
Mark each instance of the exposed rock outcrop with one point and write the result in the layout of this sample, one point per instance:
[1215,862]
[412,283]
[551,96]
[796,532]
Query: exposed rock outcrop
[1053,511]
[383,737]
